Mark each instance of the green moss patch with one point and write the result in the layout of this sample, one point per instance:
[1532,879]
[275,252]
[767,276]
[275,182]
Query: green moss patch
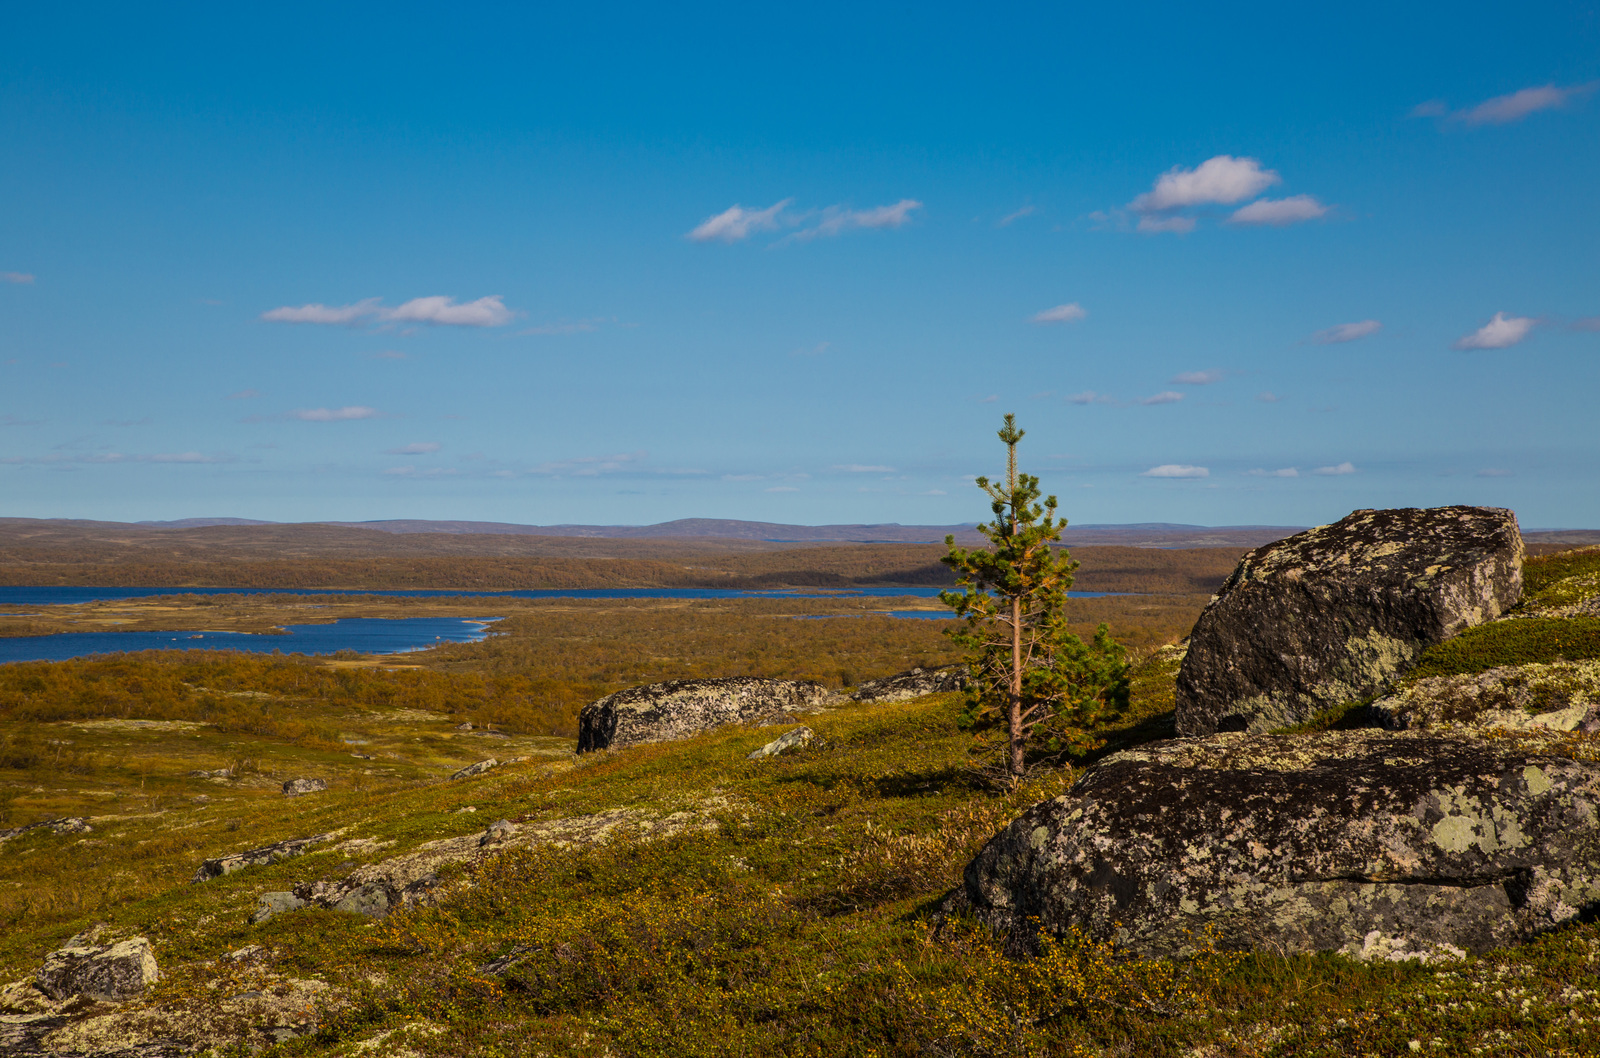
[1514,642]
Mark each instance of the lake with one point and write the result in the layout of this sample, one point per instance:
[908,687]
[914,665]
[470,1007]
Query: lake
[369,635]
[52,595]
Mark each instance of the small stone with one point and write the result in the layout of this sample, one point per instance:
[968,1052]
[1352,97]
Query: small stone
[476,769]
[800,736]
[300,787]
[270,904]
[112,973]
[464,727]
[498,832]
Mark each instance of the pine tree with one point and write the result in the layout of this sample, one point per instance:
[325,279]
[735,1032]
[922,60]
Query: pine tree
[1027,671]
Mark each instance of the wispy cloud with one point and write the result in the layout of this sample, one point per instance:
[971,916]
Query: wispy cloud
[12,420]
[1089,396]
[781,488]
[1493,472]
[1503,110]
[1432,108]
[1222,180]
[1588,323]
[1011,218]
[114,458]
[245,394]
[390,354]
[354,411]
[737,223]
[590,466]
[836,220]
[435,309]
[574,327]
[1155,225]
[1068,313]
[863,468]
[1198,378]
[1176,470]
[1500,332]
[1282,472]
[420,448]
[1337,470]
[1266,396]
[1279,212]
[811,350]
[1166,396]
[424,472]
[1347,332]
[990,399]
[16,277]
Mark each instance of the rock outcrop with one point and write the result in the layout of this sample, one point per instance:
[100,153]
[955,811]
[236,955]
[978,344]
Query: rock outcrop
[111,973]
[1373,844]
[476,769]
[238,861]
[68,825]
[301,787]
[1334,614]
[676,709]
[1558,696]
[914,683]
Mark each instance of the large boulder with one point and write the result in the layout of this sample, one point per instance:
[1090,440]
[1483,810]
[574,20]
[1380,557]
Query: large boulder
[1334,614]
[1373,844]
[112,972]
[913,683]
[662,712]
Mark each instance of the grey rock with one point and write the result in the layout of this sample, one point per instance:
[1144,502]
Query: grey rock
[1556,696]
[476,769]
[1376,845]
[269,904]
[300,787]
[111,973]
[370,900]
[800,736]
[913,683]
[238,861]
[679,709]
[498,833]
[65,825]
[1334,614]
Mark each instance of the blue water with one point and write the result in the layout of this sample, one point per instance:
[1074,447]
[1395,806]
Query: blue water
[55,595]
[369,635]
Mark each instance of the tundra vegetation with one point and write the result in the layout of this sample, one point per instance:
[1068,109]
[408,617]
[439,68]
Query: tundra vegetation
[801,924]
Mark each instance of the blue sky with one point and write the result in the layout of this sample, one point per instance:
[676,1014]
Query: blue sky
[622,264]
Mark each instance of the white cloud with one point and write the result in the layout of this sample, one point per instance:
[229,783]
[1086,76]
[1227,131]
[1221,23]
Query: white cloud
[990,399]
[1432,108]
[1500,332]
[1156,225]
[1068,313]
[413,472]
[318,313]
[1089,396]
[1279,212]
[1346,332]
[1502,110]
[420,448]
[1588,323]
[936,492]
[1336,470]
[736,223]
[1198,378]
[836,219]
[861,468]
[113,458]
[484,312]
[1166,396]
[1266,396]
[1282,472]
[16,277]
[1009,219]
[744,477]
[1176,470]
[590,466]
[815,350]
[1493,472]
[1221,180]
[334,414]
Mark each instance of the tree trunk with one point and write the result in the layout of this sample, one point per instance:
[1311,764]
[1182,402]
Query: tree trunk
[1015,760]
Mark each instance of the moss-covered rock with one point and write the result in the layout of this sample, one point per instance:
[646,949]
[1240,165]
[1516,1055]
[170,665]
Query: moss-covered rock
[1560,696]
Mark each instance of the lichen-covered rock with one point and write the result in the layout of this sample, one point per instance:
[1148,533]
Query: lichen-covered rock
[1334,614]
[301,787]
[476,769]
[270,904]
[1558,696]
[238,861]
[913,683]
[676,709]
[800,736]
[1373,844]
[112,972]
